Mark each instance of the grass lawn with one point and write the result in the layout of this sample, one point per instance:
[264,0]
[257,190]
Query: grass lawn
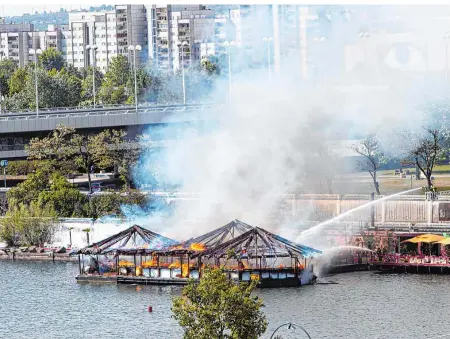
[440,169]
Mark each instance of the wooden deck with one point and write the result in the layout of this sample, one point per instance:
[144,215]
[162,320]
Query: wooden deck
[128,280]
[412,268]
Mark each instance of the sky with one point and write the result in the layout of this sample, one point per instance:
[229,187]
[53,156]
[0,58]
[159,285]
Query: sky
[7,8]
[19,9]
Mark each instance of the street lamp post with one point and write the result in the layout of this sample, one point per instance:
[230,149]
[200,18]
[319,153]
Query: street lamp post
[35,52]
[135,49]
[94,49]
[229,44]
[268,41]
[182,45]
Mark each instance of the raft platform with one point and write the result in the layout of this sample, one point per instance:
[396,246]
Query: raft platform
[128,280]
[142,280]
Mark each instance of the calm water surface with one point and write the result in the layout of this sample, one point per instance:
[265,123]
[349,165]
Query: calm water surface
[42,300]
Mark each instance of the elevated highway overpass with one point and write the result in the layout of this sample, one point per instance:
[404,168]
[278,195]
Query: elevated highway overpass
[17,128]
[29,122]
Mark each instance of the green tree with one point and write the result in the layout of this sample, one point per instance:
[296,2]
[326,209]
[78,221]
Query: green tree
[7,69]
[28,191]
[17,102]
[114,87]
[11,225]
[88,150]
[218,308]
[51,59]
[87,85]
[111,94]
[18,80]
[40,224]
[211,66]
[72,70]
[119,71]
[64,146]
[123,154]
[56,149]
[28,225]
[143,81]
[66,200]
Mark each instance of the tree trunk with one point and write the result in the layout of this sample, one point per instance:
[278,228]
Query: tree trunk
[429,181]
[375,183]
[89,179]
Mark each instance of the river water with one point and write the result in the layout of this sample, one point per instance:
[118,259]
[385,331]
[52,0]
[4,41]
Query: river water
[42,300]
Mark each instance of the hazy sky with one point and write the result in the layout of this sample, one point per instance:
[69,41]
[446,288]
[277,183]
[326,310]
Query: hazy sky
[19,9]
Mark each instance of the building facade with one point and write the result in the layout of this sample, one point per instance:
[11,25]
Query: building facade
[172,25]
[94,38]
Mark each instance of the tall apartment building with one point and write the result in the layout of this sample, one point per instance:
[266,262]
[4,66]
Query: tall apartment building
[110,31]
[16,40]
[173,24]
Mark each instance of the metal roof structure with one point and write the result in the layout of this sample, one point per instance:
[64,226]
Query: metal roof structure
[133,240]
[256,243]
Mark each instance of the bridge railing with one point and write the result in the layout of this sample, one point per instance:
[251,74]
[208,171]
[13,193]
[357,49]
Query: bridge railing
[103,107]
[156,109]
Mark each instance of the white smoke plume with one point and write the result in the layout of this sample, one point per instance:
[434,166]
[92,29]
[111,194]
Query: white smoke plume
[274,138]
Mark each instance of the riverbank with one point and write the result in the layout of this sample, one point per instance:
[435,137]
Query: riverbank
[48,256]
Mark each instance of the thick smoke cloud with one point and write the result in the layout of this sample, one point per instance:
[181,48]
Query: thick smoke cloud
[275,138]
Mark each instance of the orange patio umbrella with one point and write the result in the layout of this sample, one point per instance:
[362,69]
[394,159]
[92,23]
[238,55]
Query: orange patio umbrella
[426,238]
[445,241]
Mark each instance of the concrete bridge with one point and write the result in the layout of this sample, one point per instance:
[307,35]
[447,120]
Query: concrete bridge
[95,118]
[17,128]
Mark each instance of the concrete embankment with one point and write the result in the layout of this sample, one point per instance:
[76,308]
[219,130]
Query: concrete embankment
[64,257]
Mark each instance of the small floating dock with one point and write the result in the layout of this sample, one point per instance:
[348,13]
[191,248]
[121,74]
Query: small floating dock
[412,268]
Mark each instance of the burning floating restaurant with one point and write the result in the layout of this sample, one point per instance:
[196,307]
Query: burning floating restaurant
[243,251]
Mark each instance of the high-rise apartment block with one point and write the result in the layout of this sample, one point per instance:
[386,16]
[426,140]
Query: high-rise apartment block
[95,37]
[17,39]
[169,34]
[172,25]
[89,38]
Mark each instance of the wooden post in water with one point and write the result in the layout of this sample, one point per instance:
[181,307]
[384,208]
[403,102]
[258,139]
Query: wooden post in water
[188,268]
[157,266]
[79,262]
[181,265]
